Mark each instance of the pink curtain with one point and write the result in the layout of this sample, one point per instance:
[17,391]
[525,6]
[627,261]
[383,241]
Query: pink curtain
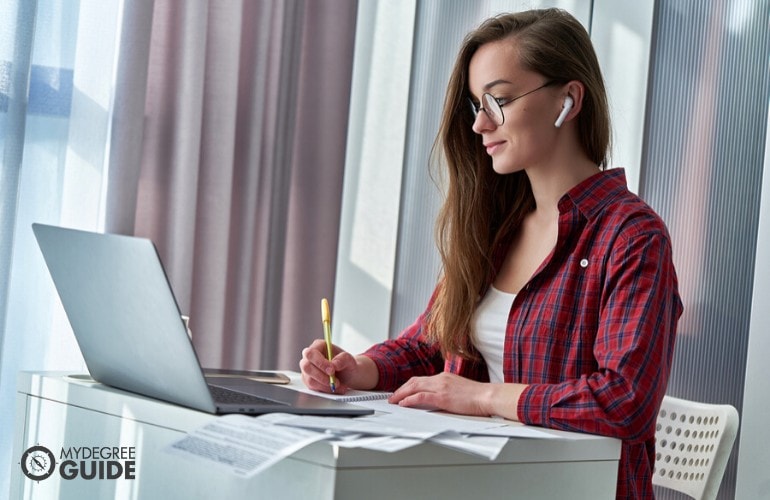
[242,163]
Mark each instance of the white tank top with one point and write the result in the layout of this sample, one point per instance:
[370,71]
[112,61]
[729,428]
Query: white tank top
[489,324]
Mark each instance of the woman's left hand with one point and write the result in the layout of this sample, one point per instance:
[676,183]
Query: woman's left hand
[456,394]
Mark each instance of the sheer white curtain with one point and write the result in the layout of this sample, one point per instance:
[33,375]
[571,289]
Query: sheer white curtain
[60,127]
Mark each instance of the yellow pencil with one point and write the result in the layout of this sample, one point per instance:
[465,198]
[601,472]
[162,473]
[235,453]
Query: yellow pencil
[326,318]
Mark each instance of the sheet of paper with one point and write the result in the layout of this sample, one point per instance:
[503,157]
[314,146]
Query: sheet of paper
[485,446]
[437,423]
[387,444]
[517,431]
[245,445]
[477,426]
[380,426]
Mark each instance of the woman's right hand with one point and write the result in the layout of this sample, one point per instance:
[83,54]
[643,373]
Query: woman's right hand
[350,372]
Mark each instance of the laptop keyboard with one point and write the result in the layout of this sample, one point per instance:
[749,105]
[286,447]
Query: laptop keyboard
[222,395]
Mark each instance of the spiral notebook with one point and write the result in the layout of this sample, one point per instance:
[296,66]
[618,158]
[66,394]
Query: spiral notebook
[352,396]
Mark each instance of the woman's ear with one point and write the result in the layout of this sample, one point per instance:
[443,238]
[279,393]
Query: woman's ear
[572,103]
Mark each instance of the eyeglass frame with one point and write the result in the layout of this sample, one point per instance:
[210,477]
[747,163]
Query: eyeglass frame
[496,101]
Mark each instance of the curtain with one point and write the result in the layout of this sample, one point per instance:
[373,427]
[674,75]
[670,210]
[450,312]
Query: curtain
[16,35]
[57,78]
[242,163]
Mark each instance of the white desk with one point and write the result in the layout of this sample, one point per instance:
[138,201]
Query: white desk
[58,411]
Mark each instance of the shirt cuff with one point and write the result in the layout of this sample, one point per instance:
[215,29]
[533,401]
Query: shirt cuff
[534,406]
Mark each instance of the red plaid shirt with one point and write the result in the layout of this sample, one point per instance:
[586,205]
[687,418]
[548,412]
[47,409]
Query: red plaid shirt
[592,332]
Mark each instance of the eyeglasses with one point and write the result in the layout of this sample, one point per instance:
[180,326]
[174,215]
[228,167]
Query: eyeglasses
[493,106]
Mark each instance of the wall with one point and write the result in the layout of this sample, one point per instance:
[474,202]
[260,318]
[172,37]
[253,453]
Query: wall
[702,171]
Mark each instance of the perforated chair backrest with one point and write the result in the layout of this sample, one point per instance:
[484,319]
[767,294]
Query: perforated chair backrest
[693,442]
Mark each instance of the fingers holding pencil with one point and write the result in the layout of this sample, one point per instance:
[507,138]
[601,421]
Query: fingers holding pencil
[349,371]
[327,368]
[316,368]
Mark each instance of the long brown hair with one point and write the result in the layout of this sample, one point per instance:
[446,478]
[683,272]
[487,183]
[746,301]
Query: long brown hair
[482,207]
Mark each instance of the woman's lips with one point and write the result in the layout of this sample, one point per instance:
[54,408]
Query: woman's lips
[493,146]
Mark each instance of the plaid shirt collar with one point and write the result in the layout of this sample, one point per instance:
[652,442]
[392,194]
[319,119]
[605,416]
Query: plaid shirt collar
[591,195]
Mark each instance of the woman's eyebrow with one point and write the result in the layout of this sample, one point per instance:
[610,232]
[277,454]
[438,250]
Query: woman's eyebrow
[489,86]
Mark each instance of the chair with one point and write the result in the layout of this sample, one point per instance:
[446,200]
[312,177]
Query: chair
[693,442]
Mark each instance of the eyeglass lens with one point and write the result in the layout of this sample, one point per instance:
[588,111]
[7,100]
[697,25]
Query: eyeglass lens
[492,108]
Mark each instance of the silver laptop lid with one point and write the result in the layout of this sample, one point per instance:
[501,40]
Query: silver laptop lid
[124,314]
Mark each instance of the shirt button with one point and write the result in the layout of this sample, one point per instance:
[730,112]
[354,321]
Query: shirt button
[584,263]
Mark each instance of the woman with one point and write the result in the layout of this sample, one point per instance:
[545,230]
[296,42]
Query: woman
[558,302]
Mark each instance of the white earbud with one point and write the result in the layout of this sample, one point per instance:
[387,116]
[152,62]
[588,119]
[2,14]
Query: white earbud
[568,102]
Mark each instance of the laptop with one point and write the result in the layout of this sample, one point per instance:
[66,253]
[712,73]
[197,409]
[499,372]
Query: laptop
[129,328]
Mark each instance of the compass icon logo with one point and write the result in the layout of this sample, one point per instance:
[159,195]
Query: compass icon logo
[38,463]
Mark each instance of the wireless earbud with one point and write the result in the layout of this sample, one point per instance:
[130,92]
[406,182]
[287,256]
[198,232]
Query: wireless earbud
[568,102]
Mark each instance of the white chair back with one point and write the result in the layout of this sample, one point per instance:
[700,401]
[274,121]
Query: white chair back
[692,444]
